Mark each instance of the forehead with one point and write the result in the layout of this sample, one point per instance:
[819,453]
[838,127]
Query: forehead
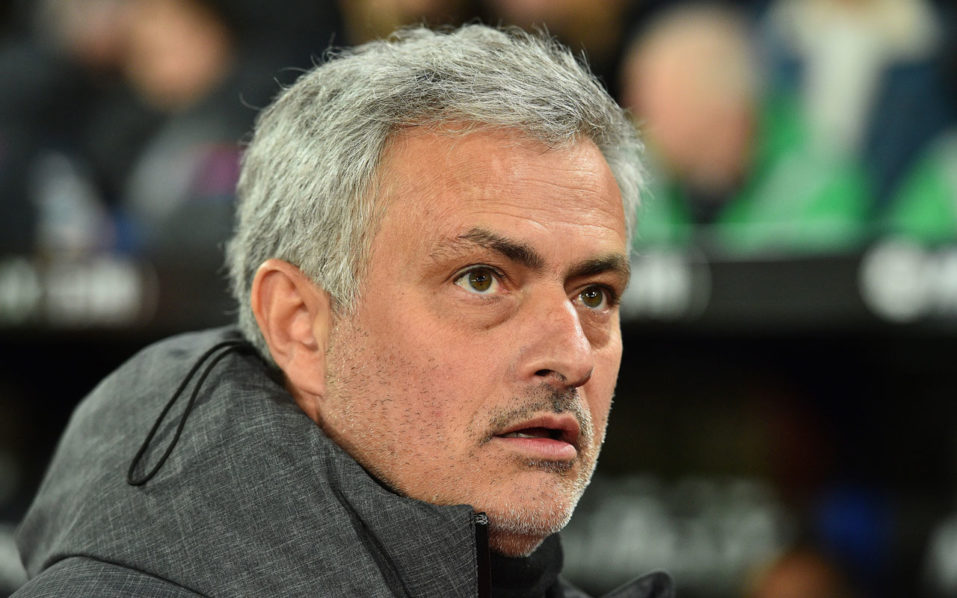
[493,178]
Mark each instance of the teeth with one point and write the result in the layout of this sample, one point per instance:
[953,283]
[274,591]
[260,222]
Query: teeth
[535,433]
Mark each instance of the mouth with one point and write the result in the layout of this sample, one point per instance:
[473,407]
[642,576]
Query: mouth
[549,437]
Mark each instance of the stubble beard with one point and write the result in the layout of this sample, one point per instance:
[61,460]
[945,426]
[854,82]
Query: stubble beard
[517,523]
[516,528]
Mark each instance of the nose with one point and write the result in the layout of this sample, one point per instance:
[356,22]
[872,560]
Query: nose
[557,351]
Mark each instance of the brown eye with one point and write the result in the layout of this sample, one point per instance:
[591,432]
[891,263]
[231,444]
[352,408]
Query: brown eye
[478,280]
[593,297]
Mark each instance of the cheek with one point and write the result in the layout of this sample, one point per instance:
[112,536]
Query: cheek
[603,383]
[459,384]
[422,378]
[600,405]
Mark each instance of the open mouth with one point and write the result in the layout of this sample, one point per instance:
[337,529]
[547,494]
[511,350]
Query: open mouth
[536,433]
[561,428]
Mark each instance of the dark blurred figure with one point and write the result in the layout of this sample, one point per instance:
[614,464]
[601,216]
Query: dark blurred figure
[734,169]
[596,28]
[924,206]
[206,67]
[183,62]
[366,20]
[121,120]
[54,74]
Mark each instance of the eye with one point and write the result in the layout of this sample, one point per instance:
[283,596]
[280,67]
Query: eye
[595,297]
[480,280]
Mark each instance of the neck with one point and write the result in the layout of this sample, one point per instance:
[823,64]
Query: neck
[526,577]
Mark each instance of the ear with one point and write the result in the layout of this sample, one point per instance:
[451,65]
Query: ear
[295,317]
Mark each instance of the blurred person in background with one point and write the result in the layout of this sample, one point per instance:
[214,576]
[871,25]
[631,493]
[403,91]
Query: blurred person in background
[186,61]
[57,76]
[733,170]
[121,120]
[866,74]
[597,29]
[924,207]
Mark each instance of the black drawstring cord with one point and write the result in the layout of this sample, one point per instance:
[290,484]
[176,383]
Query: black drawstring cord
[229,346]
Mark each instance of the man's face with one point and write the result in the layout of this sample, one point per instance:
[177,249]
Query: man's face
[480,363]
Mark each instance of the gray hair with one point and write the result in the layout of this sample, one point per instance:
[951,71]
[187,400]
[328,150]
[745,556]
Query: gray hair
[306,190]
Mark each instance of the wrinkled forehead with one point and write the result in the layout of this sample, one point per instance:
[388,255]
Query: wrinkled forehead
[426,159]
[438,184]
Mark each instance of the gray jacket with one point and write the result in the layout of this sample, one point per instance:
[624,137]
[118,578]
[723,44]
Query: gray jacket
[254,500]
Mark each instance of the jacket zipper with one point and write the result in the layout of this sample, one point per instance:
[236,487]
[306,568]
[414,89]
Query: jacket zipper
[482,556]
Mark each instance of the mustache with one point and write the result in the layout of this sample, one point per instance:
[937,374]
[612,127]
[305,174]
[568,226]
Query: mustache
[544,399]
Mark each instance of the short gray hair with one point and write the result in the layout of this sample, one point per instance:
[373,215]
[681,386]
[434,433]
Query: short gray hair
[306,191]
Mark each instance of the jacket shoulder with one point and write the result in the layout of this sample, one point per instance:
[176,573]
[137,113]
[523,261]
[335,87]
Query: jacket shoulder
[78,577]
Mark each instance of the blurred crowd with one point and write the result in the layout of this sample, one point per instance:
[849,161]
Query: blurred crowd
[772,125]
[806,126]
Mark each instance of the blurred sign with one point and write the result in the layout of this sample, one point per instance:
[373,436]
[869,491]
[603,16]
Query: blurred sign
[905,282]
[104,291]
[667,286]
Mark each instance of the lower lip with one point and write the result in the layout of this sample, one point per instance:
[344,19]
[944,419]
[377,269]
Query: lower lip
[545,449]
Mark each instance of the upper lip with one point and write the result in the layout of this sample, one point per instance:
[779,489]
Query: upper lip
[564,423]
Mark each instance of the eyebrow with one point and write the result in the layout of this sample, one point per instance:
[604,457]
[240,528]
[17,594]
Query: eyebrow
[513,250]
[614,262]
[525,255]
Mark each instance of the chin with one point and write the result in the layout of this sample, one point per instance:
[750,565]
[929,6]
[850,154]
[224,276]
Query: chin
[512,545]
[518,529]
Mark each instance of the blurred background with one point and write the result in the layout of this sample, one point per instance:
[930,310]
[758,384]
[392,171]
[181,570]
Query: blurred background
[785,423]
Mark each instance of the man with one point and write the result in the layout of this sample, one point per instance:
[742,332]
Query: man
[431,242]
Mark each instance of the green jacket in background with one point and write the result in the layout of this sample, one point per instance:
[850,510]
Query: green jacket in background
[795,200]
[925,209]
